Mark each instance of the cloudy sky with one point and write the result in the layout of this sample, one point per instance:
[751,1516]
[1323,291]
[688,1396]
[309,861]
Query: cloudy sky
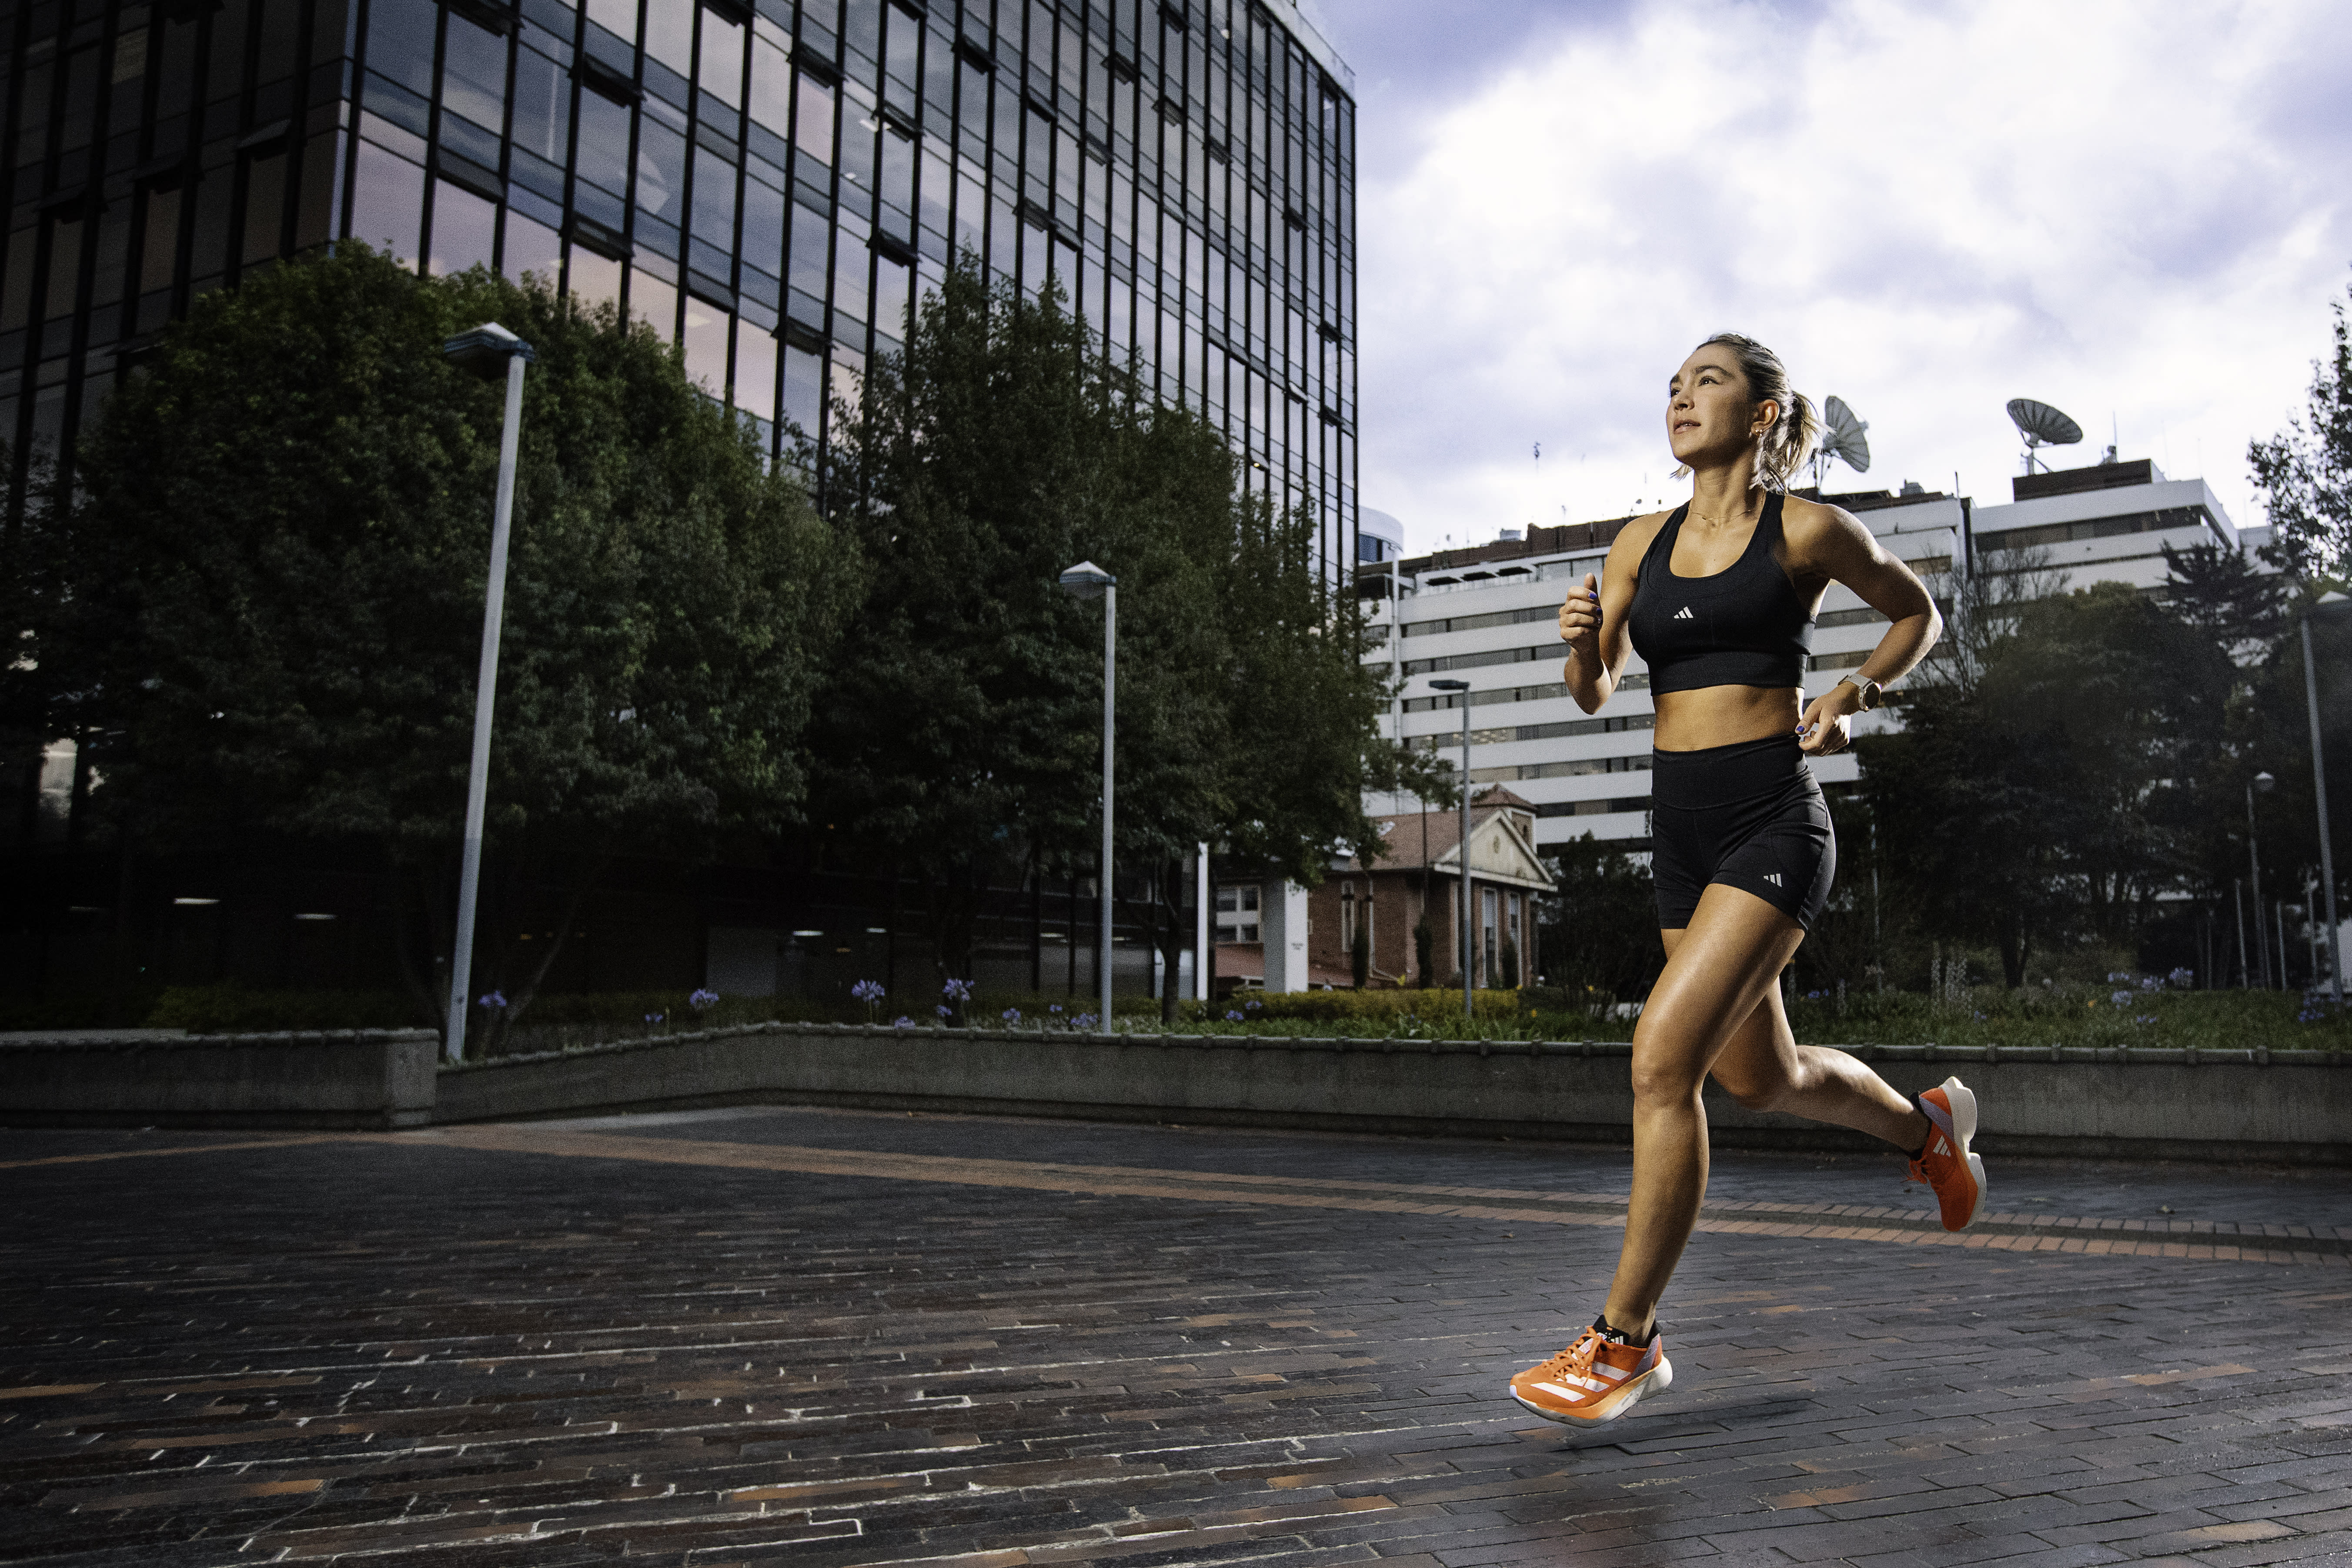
[2139,213]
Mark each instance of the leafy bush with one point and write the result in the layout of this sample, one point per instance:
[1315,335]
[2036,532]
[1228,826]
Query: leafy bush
[229,1007]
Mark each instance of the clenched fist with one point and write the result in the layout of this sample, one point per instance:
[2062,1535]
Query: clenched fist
[1580,620]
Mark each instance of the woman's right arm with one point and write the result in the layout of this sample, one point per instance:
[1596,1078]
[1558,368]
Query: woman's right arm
[1593,623]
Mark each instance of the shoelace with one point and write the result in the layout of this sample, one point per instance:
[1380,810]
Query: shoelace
[1577,1359]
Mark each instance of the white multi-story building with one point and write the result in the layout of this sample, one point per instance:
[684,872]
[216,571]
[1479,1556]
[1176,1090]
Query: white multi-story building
[1487,614]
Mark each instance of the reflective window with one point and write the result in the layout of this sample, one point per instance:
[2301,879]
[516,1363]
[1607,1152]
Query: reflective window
[619,17]
[755,371]
[387,200]
[604,144]
[706,345]
[543,106]
[530,248]
[592,279]
[654,300]
[813,128]
[399,42]
[465,229]
[714,201]
[669,34]
[763,227]
[661,168]
[772,87]
[473,74]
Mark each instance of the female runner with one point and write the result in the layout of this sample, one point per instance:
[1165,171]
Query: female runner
[1718,598]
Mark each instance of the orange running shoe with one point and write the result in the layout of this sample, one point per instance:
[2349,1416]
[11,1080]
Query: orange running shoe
[1957,1176]
[1595,1380]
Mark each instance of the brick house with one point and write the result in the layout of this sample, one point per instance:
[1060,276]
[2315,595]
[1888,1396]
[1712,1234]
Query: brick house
[1423,851]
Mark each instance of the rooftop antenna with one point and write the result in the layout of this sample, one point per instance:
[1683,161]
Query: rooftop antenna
[1843,439]
[2042,426]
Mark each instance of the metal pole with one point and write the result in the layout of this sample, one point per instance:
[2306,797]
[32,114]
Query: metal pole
[2253,860]
[1110,687]
[485,692]
[2246,971]
[1469,981]
[1204,957]
[2327,850]
[2280,916]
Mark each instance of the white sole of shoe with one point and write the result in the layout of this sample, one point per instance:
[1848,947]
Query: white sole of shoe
[1655,1381]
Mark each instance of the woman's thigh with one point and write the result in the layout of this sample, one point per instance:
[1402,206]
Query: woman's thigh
[1721,970]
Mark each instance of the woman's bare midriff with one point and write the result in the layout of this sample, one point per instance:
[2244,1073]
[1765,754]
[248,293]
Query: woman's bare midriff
[1725,716]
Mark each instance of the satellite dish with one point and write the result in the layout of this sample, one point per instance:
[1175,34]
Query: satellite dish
[2042,426]
[1843,439]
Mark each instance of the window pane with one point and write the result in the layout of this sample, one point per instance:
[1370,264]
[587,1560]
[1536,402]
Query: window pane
[594,279]
[542,111]
[654,300]
[706,345]
[661,169]
[804,391]
[764,227]
[464,228]
[669,34]
[399,42]
[755,371]
[714,200]
[387,200]
[531,248]
[162,244]
[604,144]
[722,59]
[812,131]
[473,74]
[619,16]
[265,206]
[772,87]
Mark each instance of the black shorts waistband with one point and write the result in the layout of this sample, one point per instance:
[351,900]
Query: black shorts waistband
[1718,775]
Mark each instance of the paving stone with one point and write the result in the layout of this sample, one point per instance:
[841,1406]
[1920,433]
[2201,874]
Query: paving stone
[764,1335]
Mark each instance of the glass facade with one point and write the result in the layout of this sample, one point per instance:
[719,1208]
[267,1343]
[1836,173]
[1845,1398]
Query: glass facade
[774,183]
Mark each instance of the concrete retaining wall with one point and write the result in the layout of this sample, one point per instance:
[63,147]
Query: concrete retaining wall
[2124,1103]
[346,1078]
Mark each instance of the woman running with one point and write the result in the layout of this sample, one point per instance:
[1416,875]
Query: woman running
[1718,598]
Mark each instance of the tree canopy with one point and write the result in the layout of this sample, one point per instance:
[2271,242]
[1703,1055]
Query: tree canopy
[2304,472]
[1001,446]
[270,589]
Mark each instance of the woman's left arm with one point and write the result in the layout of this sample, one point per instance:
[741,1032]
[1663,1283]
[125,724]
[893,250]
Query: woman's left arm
[1831,542]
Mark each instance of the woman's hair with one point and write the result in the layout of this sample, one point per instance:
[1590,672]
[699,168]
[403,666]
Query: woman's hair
[1786,446]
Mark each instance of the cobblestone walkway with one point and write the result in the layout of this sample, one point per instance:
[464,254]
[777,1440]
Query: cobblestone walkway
[767,1336]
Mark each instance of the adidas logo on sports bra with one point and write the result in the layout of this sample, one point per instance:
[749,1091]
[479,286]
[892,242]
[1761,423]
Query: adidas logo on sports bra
[1684,614]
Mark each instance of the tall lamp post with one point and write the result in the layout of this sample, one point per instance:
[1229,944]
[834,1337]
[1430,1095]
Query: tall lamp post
[488,348]
[2264,783]
[1462,688]
[2319,787]
[1088,581]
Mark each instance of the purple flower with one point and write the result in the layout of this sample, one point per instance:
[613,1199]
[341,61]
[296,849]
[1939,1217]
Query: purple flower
[957,991]
[902,1022]
[1233,1017]
[1083,1021]
[702,999]
[495,1001]
[2181,977]
[867,991]
[944,1011]
[1012,1014]
[2120,998]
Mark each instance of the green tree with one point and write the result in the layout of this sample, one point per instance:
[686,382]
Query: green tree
[1600,935]
[962,743]
[2304,472]
[2062,785]
[272,612]
[2221,594]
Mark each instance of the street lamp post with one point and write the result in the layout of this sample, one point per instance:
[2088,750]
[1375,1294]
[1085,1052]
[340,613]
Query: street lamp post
[488,348]
[1088,581]
[2319,786]
[2264,783]
[1462,690]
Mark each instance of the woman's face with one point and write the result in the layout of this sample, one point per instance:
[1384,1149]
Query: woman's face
[1708,414]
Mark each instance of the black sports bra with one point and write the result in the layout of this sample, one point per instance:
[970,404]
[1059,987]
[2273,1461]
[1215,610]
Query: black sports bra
[1745,626]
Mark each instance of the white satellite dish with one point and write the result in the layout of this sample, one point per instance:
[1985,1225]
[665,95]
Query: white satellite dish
[1843,439]
[2042,426]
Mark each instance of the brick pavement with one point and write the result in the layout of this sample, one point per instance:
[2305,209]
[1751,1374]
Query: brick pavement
[763,1336]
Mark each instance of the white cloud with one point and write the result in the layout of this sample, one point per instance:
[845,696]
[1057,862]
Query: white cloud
[2131,212]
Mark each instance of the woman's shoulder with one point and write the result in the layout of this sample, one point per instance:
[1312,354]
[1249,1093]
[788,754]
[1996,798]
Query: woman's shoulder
[1638,534]
[1811,522]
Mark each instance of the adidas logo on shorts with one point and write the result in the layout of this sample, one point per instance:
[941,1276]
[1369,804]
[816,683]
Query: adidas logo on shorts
[1773,878]
[1684,614]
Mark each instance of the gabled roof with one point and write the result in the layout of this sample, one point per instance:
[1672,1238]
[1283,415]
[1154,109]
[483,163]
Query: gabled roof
[1502,844]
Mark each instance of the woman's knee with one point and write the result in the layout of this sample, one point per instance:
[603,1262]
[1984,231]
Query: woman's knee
[1665,1070]
[1754,1091]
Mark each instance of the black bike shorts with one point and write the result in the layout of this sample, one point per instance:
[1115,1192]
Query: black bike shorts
[1749,816]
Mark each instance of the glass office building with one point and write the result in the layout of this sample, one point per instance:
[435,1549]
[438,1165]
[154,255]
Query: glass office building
[773,182]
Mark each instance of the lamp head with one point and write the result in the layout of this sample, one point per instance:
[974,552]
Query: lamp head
[1449,686]
[487,347]
[2265,782]
[1087,581]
